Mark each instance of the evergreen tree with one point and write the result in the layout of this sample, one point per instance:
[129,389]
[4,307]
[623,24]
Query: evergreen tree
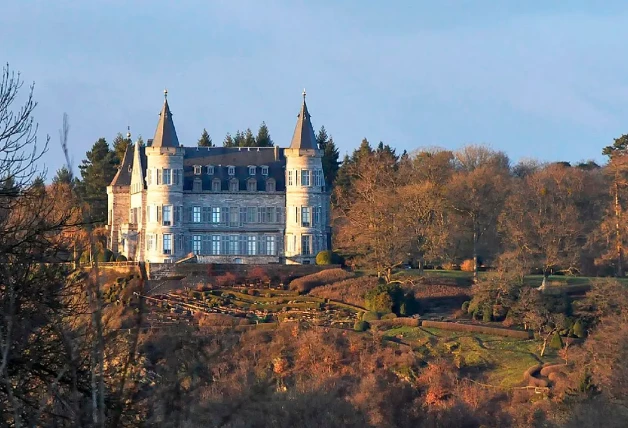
[330,156]
[63,176]
[120,144]
[205,140]
[248,139]
[238,140]
[228,141]
[263,137]
[97,171]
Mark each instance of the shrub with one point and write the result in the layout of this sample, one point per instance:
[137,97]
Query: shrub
[556,342]
[578,330]
[226,280]
[390,316]
[324,257]
[121,258]
[104,256]
[370,316]
[324,277]
[465,307]
[361,326]
[487,315]
[351,291]
[258,274]
[467,266]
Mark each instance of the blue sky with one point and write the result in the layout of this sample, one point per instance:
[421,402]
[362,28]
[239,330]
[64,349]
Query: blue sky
[536,79]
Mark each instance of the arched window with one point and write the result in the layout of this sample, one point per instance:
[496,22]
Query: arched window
[234,185]
[216,185]
[270,185]
[251,185]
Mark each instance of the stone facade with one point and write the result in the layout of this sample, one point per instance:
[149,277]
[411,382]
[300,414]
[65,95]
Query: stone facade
[226,205]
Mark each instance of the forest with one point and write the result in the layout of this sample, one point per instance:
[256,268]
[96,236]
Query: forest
[474,291]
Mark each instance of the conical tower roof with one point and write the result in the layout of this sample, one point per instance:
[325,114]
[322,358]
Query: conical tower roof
[165,134]
[304,137]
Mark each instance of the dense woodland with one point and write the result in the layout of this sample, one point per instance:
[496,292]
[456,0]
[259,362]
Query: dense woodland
[72,356]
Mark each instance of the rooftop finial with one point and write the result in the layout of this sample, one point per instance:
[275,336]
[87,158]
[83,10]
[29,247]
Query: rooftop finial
[128,132]
[304,94]
[165,93]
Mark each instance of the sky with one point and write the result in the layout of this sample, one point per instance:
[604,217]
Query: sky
[536,79]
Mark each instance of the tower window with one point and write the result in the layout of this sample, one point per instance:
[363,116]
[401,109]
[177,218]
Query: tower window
[166,176]
[264,170]
[305,177]
[176,176]
[290,182]
[210,169]
[167,215]
[231,170]
[197,170]
[167,243]
[305,216]
[306,245]
[149,176]
[252,170]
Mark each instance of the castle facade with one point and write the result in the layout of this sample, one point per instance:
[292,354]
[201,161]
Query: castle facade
[223,204]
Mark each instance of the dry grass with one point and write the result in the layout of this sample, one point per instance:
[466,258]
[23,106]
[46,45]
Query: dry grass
[350,291]
[328,276]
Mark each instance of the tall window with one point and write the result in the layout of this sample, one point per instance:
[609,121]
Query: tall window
[167,243]
[216,187]
[306,245]
[197,185]
[234,217]
[166,176]
[149,176]
[233,244]
[290,178]
[215,215]
[167,215]
[196,214]
[251,214]
[305,177]
[177,214]
[196,244]
[317,215]
[305,216]
[234,185]
[215,248]
[150,241]
[251,247]
[149,208]
[207,215]
[176,177]
[158,175]
[271,245]
[251,185]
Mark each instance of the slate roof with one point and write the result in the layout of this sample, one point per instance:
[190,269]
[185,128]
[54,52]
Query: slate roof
[304,137]
[165,134]
[123,176]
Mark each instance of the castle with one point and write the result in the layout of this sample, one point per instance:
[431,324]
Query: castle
[223,204]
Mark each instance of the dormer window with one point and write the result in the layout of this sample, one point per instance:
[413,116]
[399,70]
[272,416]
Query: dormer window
[197,170]
[210,169]
[270,185]
[264,170]
[234,185]
[231,170]
[251,185]
[216,185]
[197,185]
[252,170]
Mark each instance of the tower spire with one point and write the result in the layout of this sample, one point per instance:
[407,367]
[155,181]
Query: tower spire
[303,137]
[165,134]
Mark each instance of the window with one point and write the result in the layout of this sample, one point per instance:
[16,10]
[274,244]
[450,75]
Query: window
[196,244]
[290,178]
[251,247]
[196,214]
[306,245]
[271,245]
[215,246]
[317,215]
[231,170]
[166,176]
[149,208]
[265,214]
[232,247]
[210,169]
[167,243]
[149,176]
[251,214]
[318,178]
[215,215]
[234,217]
[207,215]
[177,215]
[252,170]
[197,185]
[216,187]
[166,214]
[234,185]
[305,177]
[158,175]
[242,215]
[158,213]
[305,216]
[176,177]
[251,185]
[197,170]
[264,170]
[270,185]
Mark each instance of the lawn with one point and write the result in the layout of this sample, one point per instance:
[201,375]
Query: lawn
[494,360]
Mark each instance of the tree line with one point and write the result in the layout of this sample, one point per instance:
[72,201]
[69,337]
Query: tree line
[438,207]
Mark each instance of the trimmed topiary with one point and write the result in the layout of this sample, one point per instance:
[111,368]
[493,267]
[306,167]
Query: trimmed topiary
[361,326]
[487,316]
[121,258]
[556,342]
[324,258]
[370,316]
[390,316]
[578,330]
[465,307]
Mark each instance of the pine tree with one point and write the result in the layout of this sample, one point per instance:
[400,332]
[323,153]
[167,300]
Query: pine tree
[238,140]
[205,140]
[120,144]
[249,139]
[97,171]
[330,156]
[63,176]
[263,137]
[228,141]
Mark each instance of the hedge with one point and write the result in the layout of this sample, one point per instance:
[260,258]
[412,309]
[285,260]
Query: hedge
[495,331]
[401,321]
[328,276]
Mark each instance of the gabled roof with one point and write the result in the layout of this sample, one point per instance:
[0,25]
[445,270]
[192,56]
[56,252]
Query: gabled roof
[304,137]
[165,134]
[123,176]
